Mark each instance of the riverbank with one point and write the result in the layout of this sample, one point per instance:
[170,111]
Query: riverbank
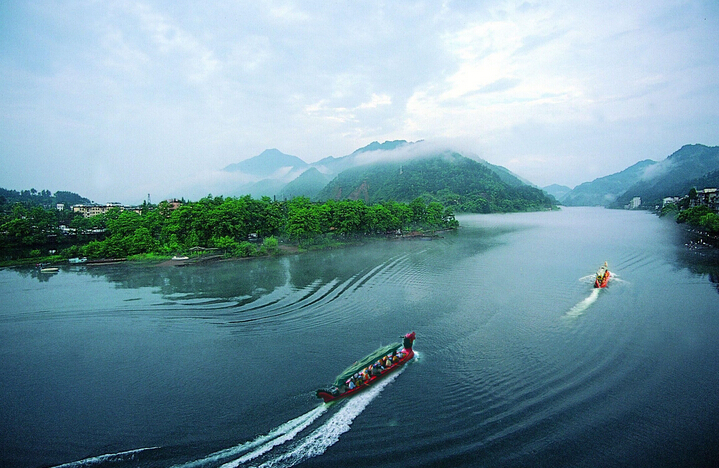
[197,258]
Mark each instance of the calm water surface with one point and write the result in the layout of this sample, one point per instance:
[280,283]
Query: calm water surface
[520,361]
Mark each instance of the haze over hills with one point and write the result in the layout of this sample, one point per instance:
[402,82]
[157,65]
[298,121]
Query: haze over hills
[402,170]
[674,176]
[275,174]
[271,163]
[308,184]
[448,178]
[557,191]
[605,190]
[650,180]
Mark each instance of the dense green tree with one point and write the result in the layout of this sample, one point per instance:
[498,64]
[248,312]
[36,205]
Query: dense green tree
[224,223]
[694,215]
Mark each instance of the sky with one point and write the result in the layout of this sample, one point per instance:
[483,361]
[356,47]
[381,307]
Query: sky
[117,100]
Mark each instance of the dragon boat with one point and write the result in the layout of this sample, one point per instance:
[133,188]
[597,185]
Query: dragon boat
[368,370]
[602,276]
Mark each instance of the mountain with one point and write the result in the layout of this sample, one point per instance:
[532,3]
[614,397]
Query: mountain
[505,174]
[271,163]
[273,173]
[308,184]
[332,166]
[557,191]
[448,177]
[264,188]
[605,190]
[386,146]
[710,180]
[673,176]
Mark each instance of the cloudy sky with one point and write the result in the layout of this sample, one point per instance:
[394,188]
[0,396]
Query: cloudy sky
[115,100]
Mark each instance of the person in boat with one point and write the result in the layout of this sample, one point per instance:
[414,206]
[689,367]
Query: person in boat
[602,271]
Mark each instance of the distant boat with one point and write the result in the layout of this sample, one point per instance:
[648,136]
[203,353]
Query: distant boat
[180,258]
[78,260]
[49,270]
[602,276]
[365,372]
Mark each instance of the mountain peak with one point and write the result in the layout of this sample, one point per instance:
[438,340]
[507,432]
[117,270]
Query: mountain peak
[377,146]
[266,163]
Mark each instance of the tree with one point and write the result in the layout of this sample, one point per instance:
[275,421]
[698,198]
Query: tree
[434,214]
[270,244]
[418,210]
[226,243]
[710,222]
[142,242]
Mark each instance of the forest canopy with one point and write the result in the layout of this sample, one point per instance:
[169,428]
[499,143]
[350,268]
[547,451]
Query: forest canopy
[240,227]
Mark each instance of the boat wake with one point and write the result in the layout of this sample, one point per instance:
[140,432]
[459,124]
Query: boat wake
[317,442]
[589,279]
[128,455]
[275,449]
[250,450]
[583,305]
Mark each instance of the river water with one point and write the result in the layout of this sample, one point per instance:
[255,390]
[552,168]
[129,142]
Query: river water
[520,361]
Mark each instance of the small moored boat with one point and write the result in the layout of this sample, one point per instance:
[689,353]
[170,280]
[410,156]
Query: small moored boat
[602,276]
[368,370]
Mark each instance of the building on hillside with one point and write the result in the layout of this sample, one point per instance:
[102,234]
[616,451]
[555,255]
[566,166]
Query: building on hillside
[174,203]
[634,204]
[89,211]
[708,197]
[668,200]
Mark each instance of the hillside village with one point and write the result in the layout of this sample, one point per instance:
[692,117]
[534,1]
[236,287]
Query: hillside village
[705,197]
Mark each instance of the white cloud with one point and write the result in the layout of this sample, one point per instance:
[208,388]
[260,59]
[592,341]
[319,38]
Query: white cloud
[547,89]
[375,101]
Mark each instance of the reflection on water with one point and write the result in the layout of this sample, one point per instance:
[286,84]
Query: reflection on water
[523,362]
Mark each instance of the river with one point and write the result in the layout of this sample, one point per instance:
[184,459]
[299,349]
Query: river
[520,361]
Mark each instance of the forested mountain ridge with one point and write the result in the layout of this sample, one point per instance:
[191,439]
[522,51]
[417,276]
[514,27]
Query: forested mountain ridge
[308,184]
[289,178]
[650,180]
[332,166]
[673,176]
[448,178]
[605,190]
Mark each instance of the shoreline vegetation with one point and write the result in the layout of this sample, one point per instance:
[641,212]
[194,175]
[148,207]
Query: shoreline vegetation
[700,220]
[213,228]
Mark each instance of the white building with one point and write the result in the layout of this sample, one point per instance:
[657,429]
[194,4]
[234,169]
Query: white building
[667,200]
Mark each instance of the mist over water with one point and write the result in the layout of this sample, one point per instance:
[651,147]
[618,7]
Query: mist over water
[521,362]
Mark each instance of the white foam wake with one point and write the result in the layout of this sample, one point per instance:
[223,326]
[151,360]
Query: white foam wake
[281,434]
[110,457]
[579,308]
[329,433]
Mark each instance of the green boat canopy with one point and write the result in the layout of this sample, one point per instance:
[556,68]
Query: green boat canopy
[364,362]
